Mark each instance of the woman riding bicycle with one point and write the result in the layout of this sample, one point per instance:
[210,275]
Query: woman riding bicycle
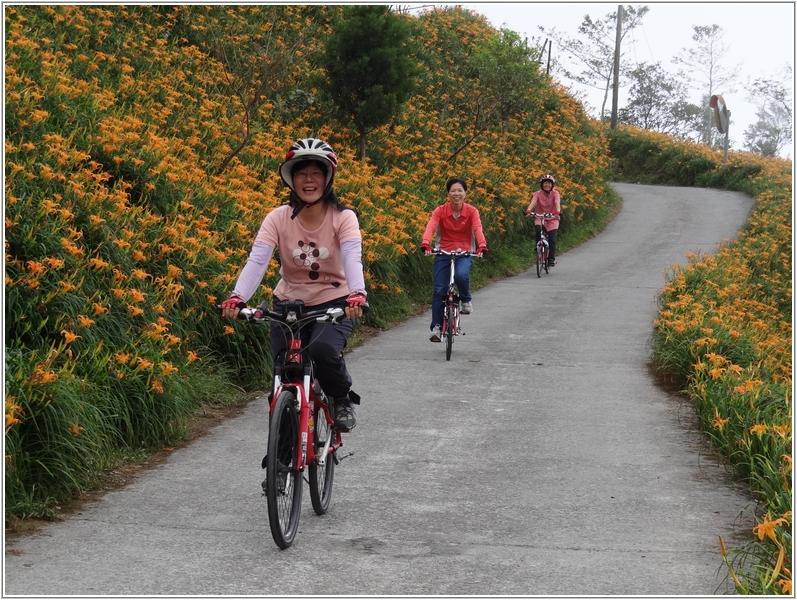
[549,201]
[320,249]
[456,225]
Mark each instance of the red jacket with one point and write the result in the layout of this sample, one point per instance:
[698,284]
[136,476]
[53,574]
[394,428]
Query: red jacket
[463,233]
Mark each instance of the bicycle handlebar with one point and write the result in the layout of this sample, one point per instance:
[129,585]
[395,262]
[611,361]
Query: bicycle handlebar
[263,314]
[546,215]
[454,253]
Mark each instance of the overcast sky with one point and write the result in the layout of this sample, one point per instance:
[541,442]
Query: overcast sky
[759,35]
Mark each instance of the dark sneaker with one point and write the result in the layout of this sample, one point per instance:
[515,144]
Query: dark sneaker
[345,420]
[551,262]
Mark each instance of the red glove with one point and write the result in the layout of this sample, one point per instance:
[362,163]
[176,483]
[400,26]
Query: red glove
[482,251]
[528,212]
[356,299]
[426,248]
[233,302]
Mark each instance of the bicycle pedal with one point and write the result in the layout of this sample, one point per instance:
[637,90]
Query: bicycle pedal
[338,459]
[264,485]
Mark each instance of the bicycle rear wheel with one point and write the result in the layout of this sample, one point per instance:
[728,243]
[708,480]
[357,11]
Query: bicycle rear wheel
[449,331]
[283,479]
[321,476]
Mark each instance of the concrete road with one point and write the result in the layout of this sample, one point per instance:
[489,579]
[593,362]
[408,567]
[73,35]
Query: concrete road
[541,460]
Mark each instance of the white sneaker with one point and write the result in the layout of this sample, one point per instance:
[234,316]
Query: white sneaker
[435,337]
[467,308]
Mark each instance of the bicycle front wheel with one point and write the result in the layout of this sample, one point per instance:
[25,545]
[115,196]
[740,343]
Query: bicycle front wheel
[321,476]
[545,258]
[449,331]
[283,479]
[539,259]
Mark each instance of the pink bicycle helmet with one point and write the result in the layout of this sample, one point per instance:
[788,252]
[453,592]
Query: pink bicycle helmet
[309,149]
[548,177]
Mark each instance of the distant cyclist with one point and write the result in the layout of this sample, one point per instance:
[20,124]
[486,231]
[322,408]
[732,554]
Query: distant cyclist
[455,225]
[547,200]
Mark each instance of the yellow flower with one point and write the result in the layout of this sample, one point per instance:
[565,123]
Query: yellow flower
[719,422]
[192,356]
[36,268]
[85,321]
[758,428]
[228,330]
[168,368]
[135,310]
[69,336]
[767,527]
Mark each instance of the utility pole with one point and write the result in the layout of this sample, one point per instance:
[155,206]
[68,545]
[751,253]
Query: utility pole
[616,87]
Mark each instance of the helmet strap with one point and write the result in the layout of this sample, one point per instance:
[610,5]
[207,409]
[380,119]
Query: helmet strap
[300,204]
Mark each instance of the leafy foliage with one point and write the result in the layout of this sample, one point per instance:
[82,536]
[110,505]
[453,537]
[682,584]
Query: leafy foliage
[369,73]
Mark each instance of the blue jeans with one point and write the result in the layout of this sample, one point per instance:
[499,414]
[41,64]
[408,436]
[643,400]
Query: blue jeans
[442,275]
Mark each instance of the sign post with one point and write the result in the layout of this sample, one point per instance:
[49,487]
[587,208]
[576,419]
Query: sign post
[722,119]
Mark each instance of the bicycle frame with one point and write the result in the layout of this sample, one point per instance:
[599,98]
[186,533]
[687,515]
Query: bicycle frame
[542,245]
[451,300]
[293,370]
[308,392]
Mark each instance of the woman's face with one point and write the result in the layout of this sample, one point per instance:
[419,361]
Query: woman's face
[547,185]
[309,182]
[456,194]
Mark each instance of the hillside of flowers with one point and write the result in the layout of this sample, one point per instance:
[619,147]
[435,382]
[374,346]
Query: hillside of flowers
[135,183]
[724,331]
[141,150]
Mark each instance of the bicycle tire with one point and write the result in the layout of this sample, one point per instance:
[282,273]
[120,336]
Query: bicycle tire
[539,259]
[321,477]
[449,331]
[545,259]
[283,479]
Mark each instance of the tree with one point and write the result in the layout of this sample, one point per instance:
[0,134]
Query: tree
[657,102]
[704,67]
[369,70]
[595,49]
[259,54]
[507,72]
[773,130]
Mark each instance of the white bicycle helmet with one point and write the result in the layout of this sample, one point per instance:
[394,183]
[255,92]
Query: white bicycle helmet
[309,149]
[548,177]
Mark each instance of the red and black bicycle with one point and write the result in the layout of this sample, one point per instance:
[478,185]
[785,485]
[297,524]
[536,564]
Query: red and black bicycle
[301,437]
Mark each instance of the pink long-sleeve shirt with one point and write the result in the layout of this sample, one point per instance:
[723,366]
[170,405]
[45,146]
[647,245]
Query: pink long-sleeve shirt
[449,233]
[547,203]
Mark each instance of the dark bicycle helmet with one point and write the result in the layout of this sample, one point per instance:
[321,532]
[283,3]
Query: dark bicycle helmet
[548,177]
[309,149]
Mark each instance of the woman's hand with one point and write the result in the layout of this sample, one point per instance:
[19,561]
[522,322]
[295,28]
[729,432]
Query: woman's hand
[232,306]
[355,307]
